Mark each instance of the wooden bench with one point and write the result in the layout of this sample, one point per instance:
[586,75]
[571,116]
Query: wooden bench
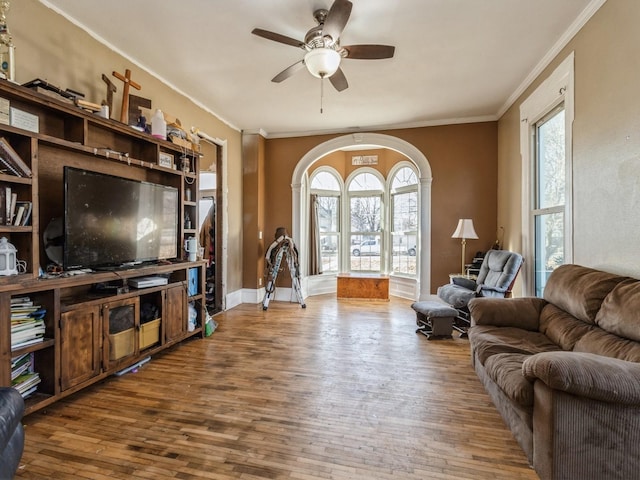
[363,285]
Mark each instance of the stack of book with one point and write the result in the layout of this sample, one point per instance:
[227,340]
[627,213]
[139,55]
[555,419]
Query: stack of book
[27,322]
[23,376]
[10,162]
[13,211]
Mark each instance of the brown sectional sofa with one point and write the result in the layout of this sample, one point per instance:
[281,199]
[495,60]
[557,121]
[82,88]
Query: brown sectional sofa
[564,372]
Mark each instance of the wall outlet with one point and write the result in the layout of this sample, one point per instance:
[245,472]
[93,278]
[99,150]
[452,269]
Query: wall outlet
[260,235]
[260,281]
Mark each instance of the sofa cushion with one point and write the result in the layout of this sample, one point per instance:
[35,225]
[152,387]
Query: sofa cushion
[562,328]
[607,344]
[579,290]
[620,309]
[506,370]
[488,340]
[523,312]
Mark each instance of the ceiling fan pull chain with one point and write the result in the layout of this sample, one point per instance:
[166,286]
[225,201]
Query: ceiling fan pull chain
[321,92]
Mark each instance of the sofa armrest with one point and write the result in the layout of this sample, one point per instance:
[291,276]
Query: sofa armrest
[587,375]
[465,282]
[523,312]
[493,290]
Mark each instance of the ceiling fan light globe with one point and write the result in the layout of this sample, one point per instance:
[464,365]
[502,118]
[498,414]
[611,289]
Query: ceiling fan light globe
[322,62]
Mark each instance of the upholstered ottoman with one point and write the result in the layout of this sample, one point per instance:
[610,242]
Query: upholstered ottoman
[434,319]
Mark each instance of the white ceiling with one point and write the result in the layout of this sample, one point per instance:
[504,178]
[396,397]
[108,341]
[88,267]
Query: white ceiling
[455,60]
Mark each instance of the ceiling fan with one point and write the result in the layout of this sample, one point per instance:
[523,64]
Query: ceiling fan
[322,46]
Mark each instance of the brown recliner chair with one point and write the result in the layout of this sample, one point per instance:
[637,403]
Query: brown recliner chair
[497,275]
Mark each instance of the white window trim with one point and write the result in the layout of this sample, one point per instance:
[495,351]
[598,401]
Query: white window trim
[557,88]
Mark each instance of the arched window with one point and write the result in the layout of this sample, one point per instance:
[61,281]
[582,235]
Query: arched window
[326,188]
[365,191]
[403,219]
[375,229]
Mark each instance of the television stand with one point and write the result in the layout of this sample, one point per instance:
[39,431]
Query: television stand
[80,345]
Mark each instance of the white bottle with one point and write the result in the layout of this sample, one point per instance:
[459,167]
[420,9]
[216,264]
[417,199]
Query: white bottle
[159,125]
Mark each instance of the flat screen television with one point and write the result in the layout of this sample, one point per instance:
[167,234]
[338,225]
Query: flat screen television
[111,221]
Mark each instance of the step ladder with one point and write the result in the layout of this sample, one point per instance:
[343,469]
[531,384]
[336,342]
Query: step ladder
[285,249]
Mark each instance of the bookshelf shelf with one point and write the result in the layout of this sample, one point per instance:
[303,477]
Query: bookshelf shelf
[46,343]
[15,179]
[15,229]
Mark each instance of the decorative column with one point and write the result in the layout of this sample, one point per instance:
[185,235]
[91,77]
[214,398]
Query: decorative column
[425,239]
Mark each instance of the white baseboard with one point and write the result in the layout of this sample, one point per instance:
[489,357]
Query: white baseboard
[404,288]
[233,299]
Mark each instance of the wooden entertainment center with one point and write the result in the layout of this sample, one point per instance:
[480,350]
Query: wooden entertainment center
[79,347]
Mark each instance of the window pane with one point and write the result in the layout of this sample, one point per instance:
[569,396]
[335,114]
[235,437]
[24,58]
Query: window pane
[403,257]
[365,253]
[405,177]
[405,212]
[365,181]
[550,173]
[328,213]
[365,214]
[325,181]
[329,251]
[404,219]
[328,224]
[549,254]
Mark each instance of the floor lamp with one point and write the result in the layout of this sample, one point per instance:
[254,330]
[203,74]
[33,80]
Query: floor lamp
[464,230]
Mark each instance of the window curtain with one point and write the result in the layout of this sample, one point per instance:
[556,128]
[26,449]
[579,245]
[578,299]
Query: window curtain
[315,255]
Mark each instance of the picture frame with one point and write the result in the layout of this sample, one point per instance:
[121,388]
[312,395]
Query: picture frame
[165,160]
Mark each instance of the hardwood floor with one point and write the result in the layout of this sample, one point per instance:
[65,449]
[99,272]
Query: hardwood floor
[339,390]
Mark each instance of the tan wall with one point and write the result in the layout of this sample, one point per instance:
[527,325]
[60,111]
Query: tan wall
[606,144]
[51,48]
[253,187]
[463,160]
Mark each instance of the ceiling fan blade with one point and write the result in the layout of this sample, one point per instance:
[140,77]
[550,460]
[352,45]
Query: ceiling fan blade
[369,52]
[276,37]
[339,81]
[337,19]
[287,72]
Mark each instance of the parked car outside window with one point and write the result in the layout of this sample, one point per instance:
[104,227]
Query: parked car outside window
[368,247]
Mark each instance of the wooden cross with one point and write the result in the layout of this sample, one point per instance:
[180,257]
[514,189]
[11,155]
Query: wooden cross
[126,78]
[111,89]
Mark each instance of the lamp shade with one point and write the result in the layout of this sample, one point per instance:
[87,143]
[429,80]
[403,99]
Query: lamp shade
[322,62]
[465,229]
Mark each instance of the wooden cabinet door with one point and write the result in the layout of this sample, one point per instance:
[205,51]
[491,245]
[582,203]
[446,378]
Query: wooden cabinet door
[80,342]
[120,325]
[174,313]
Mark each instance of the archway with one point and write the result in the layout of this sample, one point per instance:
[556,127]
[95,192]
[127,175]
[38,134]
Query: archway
[379,140]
